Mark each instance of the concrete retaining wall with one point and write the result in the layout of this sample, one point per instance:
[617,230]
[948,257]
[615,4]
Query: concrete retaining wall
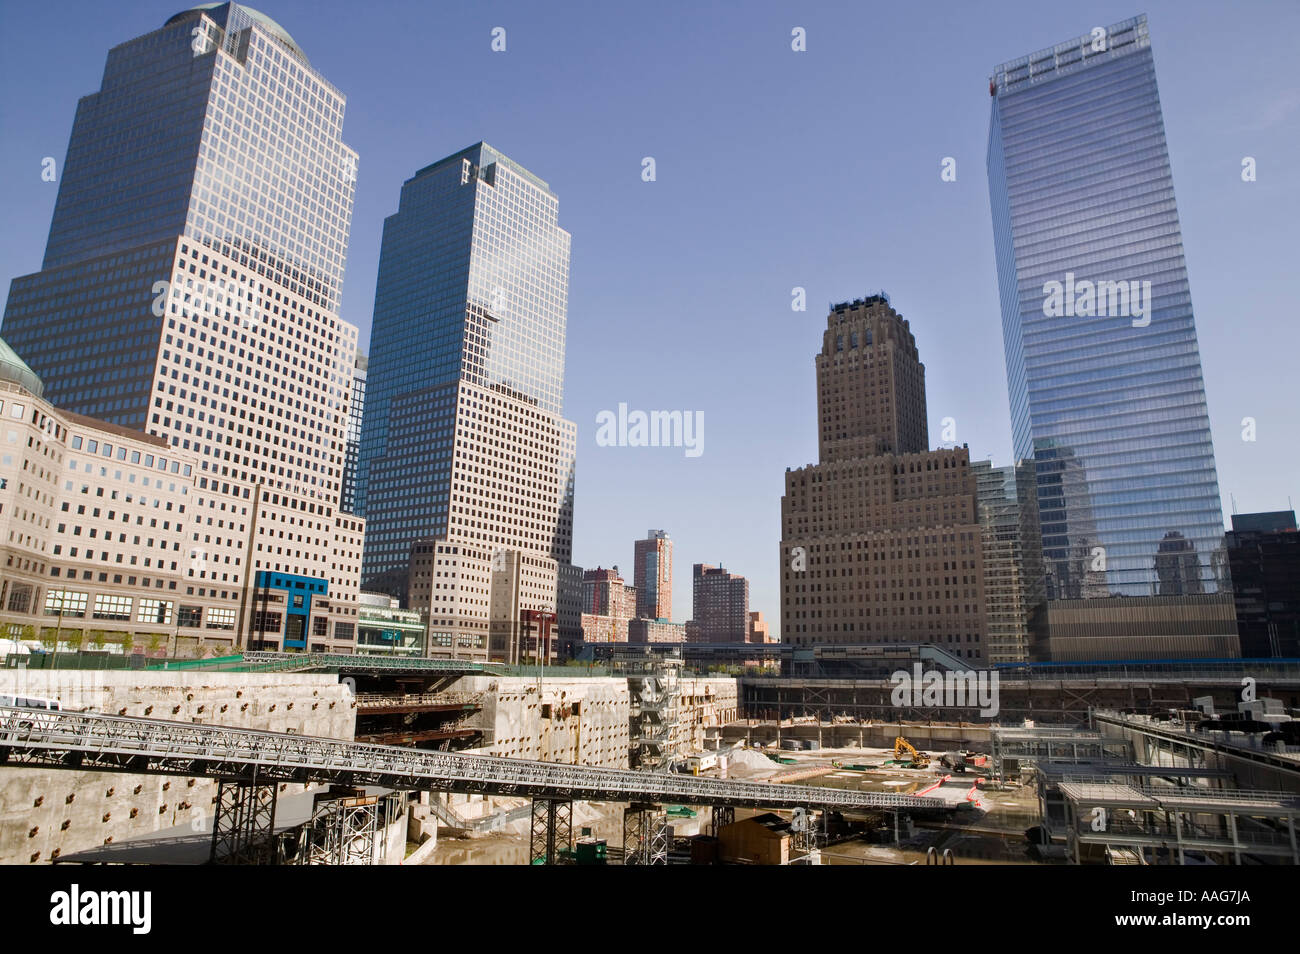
[46,813]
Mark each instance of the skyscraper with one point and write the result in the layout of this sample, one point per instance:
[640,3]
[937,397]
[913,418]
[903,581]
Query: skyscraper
[880,540]
[191,288]
[464,453]
[1103,368]
[720,605]
[652,569]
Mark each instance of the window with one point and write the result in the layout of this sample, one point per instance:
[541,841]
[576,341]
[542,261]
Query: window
[154,611]
[112,607]
[189,617]
[264,622]
[66,601]
[221,618]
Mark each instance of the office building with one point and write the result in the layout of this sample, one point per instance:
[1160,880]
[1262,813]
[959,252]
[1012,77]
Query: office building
[1011,544]
[191,289]
[94,548]
[1264,554]
[880,540]
[1103,366]
[652,562]
[720,605]
[466,466]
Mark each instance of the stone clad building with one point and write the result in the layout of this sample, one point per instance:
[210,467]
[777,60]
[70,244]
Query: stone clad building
[881,540]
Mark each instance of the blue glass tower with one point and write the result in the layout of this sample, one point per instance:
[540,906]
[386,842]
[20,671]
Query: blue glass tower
[463,446]
[1103,369]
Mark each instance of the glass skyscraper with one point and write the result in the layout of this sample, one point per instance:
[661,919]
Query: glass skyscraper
[1103,368]
[191,289]
[463,446]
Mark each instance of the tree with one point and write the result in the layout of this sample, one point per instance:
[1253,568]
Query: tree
[155,641]
[97,639]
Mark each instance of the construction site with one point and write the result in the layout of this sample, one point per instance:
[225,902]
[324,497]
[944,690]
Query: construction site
[315,759]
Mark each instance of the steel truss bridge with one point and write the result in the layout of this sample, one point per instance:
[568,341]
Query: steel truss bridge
[255,761]
[357,663]
[249,765]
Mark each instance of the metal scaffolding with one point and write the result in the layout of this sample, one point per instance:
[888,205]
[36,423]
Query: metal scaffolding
[805,838]
[652,683]
[243,828]
[645,835]
[89,741]
[1029,746]
[1166,825]
[550,837]
[346,830]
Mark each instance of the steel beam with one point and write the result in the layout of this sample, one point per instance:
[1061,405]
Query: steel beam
[96,742]
[243,828]
[550,836]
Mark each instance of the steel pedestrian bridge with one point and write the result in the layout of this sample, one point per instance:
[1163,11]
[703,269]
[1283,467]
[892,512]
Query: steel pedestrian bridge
[92,741]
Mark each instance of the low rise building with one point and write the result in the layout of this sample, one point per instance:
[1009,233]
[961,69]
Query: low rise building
[655,631]
[384,628]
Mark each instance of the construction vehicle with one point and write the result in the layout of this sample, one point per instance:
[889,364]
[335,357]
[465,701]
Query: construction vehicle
[954,760]
[918,759]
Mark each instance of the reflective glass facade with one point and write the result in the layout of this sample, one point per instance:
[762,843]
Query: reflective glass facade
[472,291]
[1104,373]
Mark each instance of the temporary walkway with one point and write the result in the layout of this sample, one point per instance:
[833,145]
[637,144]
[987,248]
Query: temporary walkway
[93,741]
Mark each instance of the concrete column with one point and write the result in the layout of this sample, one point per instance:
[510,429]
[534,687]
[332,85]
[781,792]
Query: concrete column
[1232,830]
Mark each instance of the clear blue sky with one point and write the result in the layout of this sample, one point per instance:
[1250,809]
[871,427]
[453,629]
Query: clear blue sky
[775,169]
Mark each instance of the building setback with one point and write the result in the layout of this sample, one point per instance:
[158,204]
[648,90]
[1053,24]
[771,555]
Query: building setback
[1103,367]
[880,540]
[204,310]
[466,465]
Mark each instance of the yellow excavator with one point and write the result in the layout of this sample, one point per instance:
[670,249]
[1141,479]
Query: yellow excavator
[903,747]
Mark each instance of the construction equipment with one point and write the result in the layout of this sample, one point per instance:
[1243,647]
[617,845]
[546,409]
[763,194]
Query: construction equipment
[954,760]
[918,759]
